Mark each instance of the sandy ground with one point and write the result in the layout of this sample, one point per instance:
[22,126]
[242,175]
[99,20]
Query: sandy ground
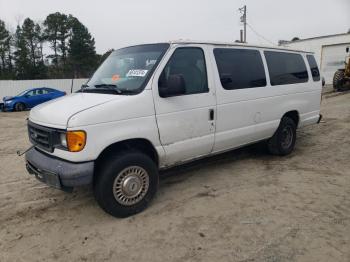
[241,206]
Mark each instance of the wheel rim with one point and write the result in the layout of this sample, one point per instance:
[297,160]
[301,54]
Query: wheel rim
[287,137]
[20,107]
[131,185]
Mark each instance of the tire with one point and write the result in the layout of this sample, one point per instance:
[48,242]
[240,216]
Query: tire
[132,169]
[19,107]
[280,143]
[338,80]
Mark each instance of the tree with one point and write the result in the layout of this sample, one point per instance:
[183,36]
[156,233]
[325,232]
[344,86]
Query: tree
[5,52]
[22,52]
[4,34]
[82,54]
[30,36]
[33,37]
[41,40]
[103,57]
[57,33]
[22,56]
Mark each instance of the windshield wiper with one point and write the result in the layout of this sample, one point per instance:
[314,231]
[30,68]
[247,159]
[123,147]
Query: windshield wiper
[115,88]
[109,86]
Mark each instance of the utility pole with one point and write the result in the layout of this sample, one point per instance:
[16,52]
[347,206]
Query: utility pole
[243,11]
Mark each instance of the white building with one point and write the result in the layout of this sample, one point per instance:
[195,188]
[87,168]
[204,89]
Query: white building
[329,51]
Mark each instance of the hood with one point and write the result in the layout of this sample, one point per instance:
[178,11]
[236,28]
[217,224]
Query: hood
[57,112]
[8,98]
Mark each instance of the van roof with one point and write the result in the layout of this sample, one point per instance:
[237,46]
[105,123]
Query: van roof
[236,44]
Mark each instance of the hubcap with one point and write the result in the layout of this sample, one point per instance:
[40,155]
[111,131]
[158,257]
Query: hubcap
[131,185]
[287,137]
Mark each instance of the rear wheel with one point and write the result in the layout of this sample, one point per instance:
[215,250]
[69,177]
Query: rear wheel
[283,141]
[126,183]
[19,107]
[338,80]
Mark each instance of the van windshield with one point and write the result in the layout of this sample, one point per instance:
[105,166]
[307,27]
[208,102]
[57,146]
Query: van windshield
[127,70]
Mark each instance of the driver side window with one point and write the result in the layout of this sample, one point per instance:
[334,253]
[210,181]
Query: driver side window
[188,63]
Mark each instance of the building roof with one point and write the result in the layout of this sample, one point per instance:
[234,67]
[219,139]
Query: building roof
[315,38]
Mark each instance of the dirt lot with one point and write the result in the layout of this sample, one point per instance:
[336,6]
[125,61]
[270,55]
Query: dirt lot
[241,206]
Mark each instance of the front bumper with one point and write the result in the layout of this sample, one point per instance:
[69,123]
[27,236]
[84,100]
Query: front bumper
[57,172]
[7,107]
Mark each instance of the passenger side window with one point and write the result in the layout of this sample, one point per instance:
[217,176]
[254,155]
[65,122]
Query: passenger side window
[30,93]
[313,67]
[189,63]
[286,68]
[240,68]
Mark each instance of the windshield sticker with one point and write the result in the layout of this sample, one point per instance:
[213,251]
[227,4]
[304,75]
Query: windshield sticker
[115,78]
[150,62]
[137,72]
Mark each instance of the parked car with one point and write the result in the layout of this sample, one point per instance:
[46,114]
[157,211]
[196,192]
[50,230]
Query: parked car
[30,98]
[154,106]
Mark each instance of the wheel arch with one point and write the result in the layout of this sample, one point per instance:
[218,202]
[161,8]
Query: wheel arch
[294,115]
[19,102]
[141,144]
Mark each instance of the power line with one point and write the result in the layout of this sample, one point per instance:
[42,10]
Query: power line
[261,36]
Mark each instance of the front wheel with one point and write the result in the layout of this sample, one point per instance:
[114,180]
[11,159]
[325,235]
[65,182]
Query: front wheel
[126,183]
[19,107]
[283,141]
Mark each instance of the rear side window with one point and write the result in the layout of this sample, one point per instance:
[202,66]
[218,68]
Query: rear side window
[286,68]
[313,67]
[240,68]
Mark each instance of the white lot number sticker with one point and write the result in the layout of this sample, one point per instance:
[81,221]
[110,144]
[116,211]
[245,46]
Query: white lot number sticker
[137,72]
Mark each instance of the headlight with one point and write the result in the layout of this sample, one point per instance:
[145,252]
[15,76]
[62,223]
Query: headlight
[74,140]
[63,139]
[8,101]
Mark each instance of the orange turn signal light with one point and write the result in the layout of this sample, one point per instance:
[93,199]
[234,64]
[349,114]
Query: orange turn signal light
[76,140]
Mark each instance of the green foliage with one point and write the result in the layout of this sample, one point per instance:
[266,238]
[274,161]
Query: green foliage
[105,55]
[82,54]
[32,36]
[22,56]
[73,49]
[6,69]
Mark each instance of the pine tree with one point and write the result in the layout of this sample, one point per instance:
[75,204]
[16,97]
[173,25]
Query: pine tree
[82,54]
[5,52]
[22,56]
[31,39]
[57,29]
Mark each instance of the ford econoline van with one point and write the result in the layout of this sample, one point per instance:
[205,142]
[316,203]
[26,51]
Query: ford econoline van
[153,106]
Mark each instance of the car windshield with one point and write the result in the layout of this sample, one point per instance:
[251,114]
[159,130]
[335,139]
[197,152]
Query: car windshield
[126,70]
[22,93]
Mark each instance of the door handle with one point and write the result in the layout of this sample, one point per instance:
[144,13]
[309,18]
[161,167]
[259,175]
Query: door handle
[211,114]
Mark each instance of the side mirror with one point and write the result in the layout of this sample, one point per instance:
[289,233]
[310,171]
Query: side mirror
[347,49]
[26,95]
[174,86]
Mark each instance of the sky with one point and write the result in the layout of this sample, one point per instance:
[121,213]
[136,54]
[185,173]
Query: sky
[118,23]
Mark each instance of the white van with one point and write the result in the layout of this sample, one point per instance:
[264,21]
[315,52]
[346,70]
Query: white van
[153,106]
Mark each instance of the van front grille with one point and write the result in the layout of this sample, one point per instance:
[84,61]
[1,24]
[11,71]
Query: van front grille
[40,136]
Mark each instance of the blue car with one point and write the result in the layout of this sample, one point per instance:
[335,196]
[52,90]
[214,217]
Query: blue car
[30,98]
